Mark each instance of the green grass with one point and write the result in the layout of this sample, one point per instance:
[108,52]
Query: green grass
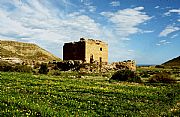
[39,95]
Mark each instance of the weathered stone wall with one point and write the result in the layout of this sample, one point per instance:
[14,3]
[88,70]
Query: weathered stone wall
[74,51]
[87,50]
[97,51]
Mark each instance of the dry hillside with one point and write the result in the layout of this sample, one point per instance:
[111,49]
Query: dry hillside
[173,62]
[25,51]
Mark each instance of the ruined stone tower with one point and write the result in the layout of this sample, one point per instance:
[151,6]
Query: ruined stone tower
[87,50]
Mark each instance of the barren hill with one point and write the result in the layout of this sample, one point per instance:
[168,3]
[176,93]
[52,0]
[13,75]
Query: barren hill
[173,62]
[25,52]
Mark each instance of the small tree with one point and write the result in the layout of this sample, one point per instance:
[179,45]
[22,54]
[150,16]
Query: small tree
[43,68]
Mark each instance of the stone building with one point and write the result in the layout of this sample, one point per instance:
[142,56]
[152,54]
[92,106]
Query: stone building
[86,50]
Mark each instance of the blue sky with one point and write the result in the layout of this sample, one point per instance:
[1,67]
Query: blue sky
[147,31]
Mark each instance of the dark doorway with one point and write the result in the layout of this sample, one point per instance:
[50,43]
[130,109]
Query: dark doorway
[91,59]
[100,59]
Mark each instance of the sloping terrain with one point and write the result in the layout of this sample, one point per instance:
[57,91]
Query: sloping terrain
[25,51]
[173,62]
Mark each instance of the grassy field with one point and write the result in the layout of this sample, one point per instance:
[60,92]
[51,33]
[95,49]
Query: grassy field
[24,94]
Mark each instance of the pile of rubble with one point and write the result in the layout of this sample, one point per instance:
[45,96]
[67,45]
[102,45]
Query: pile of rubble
[129,64]
[95,67]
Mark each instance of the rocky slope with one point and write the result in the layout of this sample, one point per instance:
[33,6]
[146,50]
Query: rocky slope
[173,62]
[25,51]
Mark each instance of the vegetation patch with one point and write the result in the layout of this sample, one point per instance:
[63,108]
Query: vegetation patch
[43,68]
[24,94]
[126,75]
[162,77]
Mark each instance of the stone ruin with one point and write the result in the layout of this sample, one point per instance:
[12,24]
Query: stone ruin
[86,50]
[78,65]
[129,65]
[92,56]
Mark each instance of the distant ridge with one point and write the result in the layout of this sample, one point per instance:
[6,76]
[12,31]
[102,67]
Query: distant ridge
[25,51]
[173,62]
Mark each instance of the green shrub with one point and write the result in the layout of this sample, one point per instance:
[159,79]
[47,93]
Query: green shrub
[162,77]
[126,75]
[43,68]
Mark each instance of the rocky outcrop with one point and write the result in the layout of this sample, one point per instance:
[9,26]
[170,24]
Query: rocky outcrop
[12,60]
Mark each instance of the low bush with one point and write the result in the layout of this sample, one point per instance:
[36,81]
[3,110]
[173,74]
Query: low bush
[43,68]
[162,77]
[126,75]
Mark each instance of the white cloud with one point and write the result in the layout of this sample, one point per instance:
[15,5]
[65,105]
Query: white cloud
[130,51]
[125,39]
[92,8]
[171,28]
[158,44]
[174,36]
[88,5]
[175,11]
[163,42]
[172,11]
[156,7]
[115,3]
[139,8]
[126,21]
[147,31]
[168,30]
[34,21]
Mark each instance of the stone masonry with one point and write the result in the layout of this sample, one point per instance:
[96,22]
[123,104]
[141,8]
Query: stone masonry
[87,50]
